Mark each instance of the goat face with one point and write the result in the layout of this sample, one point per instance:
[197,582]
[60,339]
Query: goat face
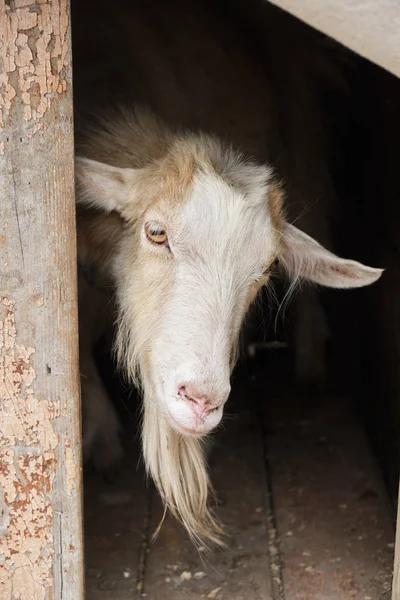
[204,260]
[201,230]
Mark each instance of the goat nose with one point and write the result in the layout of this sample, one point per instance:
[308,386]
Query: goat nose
[200,403]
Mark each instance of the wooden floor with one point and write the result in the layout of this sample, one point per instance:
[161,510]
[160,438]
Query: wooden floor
[299,490]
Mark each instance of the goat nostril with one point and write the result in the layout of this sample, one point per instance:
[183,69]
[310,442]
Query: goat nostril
[199,402]
[182,392]
[192,395]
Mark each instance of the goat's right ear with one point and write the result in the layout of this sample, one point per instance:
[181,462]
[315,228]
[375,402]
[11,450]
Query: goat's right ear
[102,186]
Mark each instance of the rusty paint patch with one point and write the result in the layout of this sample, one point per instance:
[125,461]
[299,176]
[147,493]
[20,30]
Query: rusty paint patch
[27,469]
[33,50]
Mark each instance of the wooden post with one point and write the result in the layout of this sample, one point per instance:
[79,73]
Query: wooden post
[396,571]
[40,448]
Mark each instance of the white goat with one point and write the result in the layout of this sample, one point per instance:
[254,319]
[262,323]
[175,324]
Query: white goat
[189,232]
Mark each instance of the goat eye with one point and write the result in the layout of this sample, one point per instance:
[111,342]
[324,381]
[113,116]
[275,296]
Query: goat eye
[273,266]
[156,234]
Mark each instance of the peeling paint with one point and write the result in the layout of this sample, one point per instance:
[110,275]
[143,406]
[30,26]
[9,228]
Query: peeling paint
[39,300]
[33,50]
[27,469]
[71,474]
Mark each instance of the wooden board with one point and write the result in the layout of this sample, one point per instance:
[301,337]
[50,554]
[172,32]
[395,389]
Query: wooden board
[115,532]
[396,573]
[336,535]
[307,521]
[372,29]
[40,449]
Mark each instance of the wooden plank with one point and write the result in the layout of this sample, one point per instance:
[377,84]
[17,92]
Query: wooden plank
[396,572]
[372,29]
[175,570]
[40,449]
[116,522]
[333,518]
[327,533]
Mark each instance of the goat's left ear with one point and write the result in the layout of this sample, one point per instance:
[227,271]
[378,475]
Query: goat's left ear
[304,257]
[102,186]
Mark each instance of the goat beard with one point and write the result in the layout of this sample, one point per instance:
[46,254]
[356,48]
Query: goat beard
[178,467]
[176,463]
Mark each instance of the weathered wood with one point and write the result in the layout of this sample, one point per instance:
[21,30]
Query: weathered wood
[114,530]
[372,29]
[335,530]
[40,450]
[396,571]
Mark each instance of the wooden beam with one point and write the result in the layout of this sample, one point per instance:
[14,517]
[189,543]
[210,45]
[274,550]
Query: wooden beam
[396,570]
[40,447]
[369,27]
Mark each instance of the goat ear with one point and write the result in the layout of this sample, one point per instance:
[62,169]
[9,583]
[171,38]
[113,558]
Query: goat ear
[306,258]
[104,187]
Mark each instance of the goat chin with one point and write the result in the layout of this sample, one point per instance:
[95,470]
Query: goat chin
[178,467]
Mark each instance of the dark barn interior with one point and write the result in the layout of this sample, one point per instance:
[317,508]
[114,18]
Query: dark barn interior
[306,473]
